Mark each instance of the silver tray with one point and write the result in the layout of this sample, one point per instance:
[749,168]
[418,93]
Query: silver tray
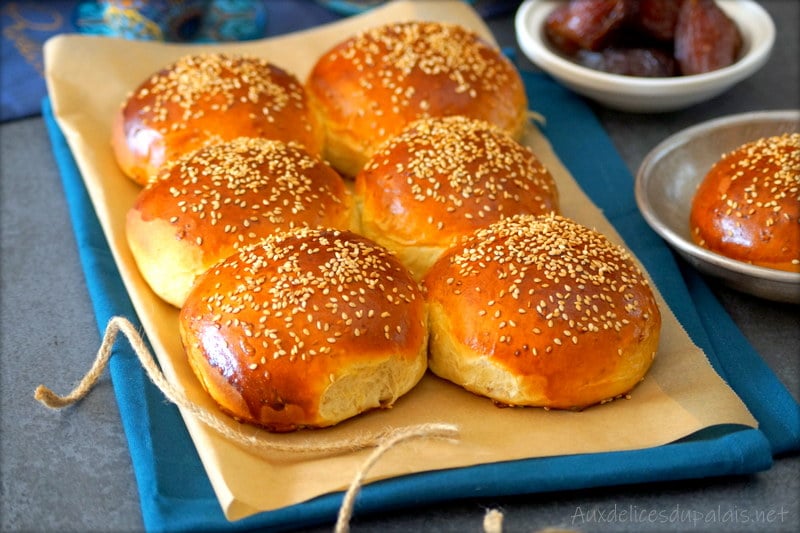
[668,177]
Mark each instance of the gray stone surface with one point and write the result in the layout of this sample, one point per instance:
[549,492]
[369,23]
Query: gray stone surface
[70,471]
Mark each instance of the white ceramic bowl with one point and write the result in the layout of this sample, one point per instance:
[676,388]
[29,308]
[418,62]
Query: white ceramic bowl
[668,178]
[647,95]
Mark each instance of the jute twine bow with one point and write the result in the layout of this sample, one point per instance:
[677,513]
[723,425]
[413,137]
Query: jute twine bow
[382,442]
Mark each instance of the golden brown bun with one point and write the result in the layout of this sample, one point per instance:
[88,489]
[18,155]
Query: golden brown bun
[306,329]
[370,86]
[748,205]
[210,202]
[445,177]
[541,311]
[208,98]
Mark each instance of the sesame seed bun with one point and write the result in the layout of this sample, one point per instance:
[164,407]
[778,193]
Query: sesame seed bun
[370,86]
[444,177]
[541,311]
[748,205]
[210,202]
[306,329]
[208,98]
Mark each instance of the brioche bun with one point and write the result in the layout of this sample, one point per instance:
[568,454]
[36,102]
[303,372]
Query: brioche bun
[208,98]
[748,205]
[208,203]
[444,177]
[370,86]
[306,329]
[541,311]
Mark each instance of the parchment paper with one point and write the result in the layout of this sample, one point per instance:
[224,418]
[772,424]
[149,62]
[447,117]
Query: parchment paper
[89,77]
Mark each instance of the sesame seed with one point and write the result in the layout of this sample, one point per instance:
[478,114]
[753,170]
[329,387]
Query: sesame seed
[760,198]
[309,269]
[454,167]
[584,282]
[171,100]
[242,184]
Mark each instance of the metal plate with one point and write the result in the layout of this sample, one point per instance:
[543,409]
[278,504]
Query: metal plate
[668,178]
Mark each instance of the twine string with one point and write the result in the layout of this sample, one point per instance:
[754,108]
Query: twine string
[443,431]
[382,441]
[534,116]
[214,420]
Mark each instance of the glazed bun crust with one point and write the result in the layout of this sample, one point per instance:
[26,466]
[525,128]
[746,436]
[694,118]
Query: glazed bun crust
[748,205]
[541,311]
[306,329]
[208,98]
[370,86]
[207,204]
[444,177]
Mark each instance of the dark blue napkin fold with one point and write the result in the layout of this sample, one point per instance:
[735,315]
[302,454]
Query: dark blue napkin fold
[174,489]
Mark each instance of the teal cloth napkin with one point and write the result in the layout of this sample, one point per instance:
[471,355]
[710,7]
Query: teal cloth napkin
[176,494]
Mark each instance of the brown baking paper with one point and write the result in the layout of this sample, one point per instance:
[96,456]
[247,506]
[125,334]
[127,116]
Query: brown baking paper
[88,78]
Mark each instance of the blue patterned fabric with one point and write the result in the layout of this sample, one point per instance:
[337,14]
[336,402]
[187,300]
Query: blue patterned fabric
[175,492]
[173,20]
[27,24]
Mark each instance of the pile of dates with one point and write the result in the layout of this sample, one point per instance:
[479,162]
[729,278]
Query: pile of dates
[648,38]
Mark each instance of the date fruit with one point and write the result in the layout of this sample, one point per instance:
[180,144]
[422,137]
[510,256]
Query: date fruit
[706,38]
[647,38]
[658,18]
[584,24]
[642,62]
